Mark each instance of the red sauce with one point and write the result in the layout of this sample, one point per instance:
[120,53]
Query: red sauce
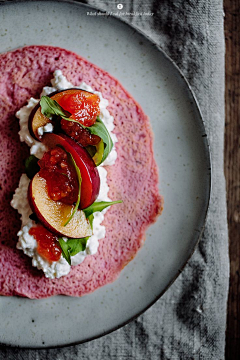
[60,175]
[47,243]
[78,133]
[83,106]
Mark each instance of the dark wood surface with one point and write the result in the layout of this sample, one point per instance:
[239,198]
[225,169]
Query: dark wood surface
[232,171]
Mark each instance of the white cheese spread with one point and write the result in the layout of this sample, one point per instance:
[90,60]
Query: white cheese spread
[27,242]
[36,147]
[44,129]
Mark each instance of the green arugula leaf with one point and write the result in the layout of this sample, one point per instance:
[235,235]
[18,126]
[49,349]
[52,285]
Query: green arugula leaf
[50,107]
[99,206]
[31,166]
[100,129]
[65,252]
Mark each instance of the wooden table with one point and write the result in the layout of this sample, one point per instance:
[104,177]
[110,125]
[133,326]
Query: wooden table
[232,171]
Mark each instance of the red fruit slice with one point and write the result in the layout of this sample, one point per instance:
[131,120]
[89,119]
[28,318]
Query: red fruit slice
[54,214]
[35,121]
[90,177]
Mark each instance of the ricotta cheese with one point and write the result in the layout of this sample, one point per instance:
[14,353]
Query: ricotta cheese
[27,242]
[36,147]
[45,129]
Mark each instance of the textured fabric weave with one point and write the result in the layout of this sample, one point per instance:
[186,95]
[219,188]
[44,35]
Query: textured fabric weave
[189,321]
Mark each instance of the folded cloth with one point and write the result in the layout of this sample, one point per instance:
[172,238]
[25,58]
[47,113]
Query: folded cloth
[189,321]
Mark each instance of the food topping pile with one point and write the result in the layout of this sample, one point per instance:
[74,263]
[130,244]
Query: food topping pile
[63,177]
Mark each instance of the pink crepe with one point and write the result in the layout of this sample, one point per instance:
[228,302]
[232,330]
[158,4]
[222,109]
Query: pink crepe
[133,178]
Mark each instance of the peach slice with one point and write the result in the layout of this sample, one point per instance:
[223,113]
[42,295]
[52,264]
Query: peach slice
[54,214]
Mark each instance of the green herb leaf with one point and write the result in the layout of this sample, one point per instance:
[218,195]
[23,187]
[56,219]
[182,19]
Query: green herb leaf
[72,247]
[100,129]
[31,166]
[79,186]
[65,248]
[98,156]
[76,245]
[90,218]
[50,108]
[99,206]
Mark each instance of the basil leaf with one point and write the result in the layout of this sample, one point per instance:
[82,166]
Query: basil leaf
[99,206]
[76,245]
[31,166]
[64,246]
[100,129]
[50,107]
[79,186]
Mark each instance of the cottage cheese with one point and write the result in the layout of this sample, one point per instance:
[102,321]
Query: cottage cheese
[27,242]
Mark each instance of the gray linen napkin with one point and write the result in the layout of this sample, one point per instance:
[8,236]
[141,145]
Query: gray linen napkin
[188,322]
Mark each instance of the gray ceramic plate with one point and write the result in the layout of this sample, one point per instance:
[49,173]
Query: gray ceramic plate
[181,152]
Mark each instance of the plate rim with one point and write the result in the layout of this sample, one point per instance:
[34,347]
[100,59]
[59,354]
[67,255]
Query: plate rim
[208,159]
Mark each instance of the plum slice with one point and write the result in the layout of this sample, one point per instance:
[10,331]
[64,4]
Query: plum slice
[53,214]
[35,121]
[90,178]
[83,105]
[57,168]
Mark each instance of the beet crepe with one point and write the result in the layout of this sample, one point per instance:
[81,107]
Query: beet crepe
[133,178]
